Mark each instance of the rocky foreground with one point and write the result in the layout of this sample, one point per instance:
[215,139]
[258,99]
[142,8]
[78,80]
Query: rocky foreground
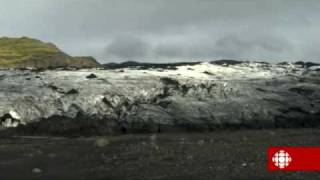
[220,155]
[199,96]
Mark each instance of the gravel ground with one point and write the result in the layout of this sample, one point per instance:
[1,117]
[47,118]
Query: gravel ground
[223,154]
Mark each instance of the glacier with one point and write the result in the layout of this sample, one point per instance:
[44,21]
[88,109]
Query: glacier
[202,96]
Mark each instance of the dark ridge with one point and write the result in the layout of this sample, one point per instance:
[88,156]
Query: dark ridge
[226,62]
[143,66]
[283,63]
[306,64]
[173,66]
[261,62]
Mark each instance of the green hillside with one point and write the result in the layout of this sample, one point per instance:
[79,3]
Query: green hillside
[28,52]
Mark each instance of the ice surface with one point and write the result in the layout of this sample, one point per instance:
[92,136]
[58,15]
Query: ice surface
[202,96]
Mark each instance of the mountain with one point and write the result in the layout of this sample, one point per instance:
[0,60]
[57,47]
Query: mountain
[32,53]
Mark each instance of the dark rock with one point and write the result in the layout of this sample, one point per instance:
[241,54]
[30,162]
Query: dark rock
[170,81]
[53,87]
[208,73]
[72,91]
[260,89]
[107,102]
[124,126]
[38,70]
[8,121]
[164,104]
[91,76]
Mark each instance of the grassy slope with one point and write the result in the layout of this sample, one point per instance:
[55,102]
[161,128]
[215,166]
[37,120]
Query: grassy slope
[18,50]
[28,52]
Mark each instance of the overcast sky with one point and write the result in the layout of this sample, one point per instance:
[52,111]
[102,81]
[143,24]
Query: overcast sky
[170,30]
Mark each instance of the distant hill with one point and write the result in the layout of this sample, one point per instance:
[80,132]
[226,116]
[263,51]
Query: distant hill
[174,65]
[85,62]
[32,53]
[141,65]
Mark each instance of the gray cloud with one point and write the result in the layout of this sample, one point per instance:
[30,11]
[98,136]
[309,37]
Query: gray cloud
[169,51]
[264,46]
[127,47]
[170,30]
